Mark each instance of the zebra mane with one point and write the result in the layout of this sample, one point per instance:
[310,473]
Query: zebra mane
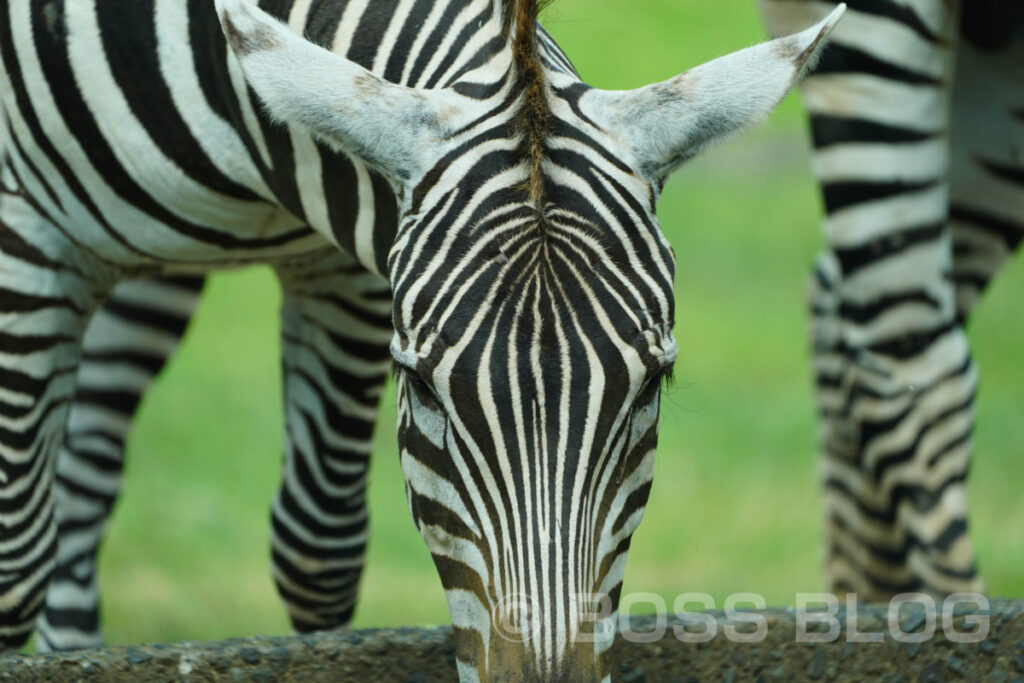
[534,116]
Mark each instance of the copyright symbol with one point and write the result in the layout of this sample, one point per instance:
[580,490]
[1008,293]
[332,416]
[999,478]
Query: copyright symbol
[515,618]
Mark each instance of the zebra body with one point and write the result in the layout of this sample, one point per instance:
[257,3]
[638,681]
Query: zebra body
[438,190]
[916,118]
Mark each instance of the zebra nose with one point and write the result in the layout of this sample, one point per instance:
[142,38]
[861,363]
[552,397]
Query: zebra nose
[510,660]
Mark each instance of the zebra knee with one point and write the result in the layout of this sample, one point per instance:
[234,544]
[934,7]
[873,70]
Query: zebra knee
[126,346]
[48,292]
[318,562]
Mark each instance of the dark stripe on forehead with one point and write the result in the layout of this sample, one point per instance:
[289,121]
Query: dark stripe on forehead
[488,164]
[534,305]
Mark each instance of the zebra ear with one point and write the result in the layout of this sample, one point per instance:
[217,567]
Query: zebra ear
[668,123]
[391,127]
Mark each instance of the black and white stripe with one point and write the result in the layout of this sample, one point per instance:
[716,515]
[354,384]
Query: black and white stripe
[447,146]
[915,112]
[126,345]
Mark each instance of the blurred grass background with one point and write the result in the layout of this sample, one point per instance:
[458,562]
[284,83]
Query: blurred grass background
[735,504]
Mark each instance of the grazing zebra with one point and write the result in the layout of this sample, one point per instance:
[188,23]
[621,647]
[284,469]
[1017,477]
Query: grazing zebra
[917,115]
[449,147]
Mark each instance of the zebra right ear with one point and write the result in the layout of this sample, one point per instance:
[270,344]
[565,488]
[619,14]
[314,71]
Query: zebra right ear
[392,128]
[668,123]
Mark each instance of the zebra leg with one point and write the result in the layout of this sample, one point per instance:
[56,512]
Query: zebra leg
[336,329]
[987,223]
[987,186]
[126,346]
[48,291]
[896,383]
[895,432]
[895,489]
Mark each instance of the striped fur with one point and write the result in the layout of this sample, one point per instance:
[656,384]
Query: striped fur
[916,118]
[449,147]
[126,345]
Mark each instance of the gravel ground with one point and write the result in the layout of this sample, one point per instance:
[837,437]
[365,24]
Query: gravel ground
[419,655]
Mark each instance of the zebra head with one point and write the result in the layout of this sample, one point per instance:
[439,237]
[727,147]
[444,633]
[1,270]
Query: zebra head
[533,306]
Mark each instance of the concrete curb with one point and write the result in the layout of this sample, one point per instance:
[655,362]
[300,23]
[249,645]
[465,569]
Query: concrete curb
[420,655]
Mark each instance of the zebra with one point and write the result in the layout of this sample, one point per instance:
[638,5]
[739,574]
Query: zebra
[125,346]
[437,190]
[916,118]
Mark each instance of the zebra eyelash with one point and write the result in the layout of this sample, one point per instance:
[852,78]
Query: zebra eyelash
[397,370]
[414,379]
[665,376]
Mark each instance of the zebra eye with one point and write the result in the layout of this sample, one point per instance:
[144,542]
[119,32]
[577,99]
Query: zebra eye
[649,391]
[422,390]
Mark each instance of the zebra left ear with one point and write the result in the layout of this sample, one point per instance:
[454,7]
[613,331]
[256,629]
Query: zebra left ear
[391,127]
[668,123]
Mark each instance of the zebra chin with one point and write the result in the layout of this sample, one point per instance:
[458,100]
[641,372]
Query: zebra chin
[554,637]
[546,618]
[508,661]
[510,654]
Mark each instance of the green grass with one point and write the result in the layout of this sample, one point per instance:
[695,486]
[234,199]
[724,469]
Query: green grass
[735,504]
